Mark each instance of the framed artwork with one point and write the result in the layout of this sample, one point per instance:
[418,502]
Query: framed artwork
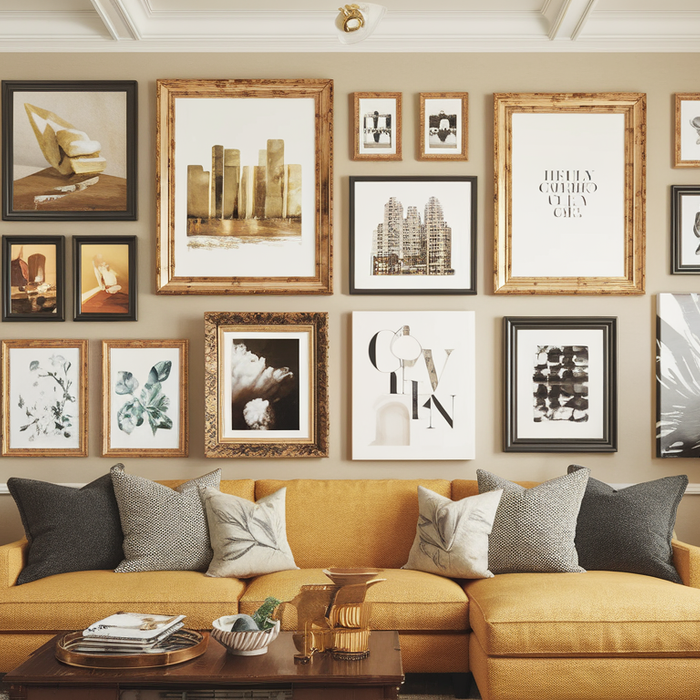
[244,186]
[104,278]
[685,230]
[444,120]
[413,376]
[687,121]
[570,193]
[33,278]
[69,150]
[413,235]
[44,398]
[377,126]
[560,384]
[144,398]
[266,384]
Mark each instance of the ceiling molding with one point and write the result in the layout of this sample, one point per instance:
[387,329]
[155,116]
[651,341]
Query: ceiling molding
[115,19]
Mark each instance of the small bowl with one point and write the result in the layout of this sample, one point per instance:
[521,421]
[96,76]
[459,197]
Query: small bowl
[343,577]
[247,643]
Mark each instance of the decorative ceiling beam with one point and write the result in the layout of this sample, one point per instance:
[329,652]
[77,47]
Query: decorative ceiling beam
[571,18]
[116,19]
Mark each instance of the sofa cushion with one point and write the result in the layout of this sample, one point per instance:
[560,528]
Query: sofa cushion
[596,613]
[406,601]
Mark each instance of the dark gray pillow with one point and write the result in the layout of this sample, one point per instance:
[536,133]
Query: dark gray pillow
[630,529]
[68,529]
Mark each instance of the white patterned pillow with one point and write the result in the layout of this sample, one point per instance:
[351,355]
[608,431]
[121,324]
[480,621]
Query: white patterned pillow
[164,529]
[452,537]
[248,539]
[534,529]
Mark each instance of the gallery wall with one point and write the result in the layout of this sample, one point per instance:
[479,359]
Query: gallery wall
[181,316]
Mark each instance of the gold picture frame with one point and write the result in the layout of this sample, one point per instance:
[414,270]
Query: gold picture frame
[376,126]
[266,384]
[44,398]
[251,162]
[145,398]
[444,126]
[570,181]
[686,147]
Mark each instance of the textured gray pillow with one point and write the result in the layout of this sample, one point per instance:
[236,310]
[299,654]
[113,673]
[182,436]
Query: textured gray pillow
[68,529]
[630,529]
[534,529]
[164,529]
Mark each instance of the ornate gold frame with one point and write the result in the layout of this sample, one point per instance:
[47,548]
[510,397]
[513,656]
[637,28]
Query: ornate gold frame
[633,106]
[464,153]
[677,161]
[356,97]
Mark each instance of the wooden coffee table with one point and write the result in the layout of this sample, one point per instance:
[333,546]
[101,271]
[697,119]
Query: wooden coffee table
[273,675]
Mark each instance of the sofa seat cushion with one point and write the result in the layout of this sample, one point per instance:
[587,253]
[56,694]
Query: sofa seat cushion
[75,600]
[406,601]
[596,613]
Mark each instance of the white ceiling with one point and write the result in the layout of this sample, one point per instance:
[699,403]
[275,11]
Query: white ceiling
[308,25]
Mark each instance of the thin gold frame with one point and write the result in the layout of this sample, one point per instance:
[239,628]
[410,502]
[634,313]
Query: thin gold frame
[82,395]
[677,161]
[182,450]
[357,121]
[464,153]
[633,106]
[264,444]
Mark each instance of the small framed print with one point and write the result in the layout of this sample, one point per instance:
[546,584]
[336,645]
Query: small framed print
[443,126]
[33,278]
[104,278]
[560,384]
[687,140]
[685,230]
[144,394]
[44,398]
[377,126]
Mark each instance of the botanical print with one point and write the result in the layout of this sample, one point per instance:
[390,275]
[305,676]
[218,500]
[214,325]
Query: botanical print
[689,234]
[33,279]
[689,128]
[560,378]
[104,278]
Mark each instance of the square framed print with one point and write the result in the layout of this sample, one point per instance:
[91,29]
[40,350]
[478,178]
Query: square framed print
[244,186]
[44,398]
[376,126]
[413,235]
[33,278]
[444,126]
[685,230]
[413,376]
[266,384]
[687,132]
[145,398]
[560,384]
[69,150]
[570,193]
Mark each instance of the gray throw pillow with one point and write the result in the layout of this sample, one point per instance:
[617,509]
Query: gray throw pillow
[630,529]
[68,529]
[164,529]
[534,529]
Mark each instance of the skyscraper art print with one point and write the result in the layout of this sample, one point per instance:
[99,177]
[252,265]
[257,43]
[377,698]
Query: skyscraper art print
[413,385]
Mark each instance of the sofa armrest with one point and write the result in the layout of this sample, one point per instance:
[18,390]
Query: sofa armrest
[13,558]
[686,559]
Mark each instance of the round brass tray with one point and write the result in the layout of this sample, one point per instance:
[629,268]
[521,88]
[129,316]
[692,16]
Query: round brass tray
[195,644]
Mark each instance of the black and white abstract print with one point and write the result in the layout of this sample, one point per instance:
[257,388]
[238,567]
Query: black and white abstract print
[560,383]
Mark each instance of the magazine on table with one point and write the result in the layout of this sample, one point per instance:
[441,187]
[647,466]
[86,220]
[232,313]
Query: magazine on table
[97,646]
[139,627]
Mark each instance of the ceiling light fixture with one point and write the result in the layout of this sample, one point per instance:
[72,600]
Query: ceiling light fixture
[356,22]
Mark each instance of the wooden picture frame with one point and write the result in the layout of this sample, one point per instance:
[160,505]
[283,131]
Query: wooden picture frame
[145,386]
[686,145]
[376,126]
[570,193]
[44,398]
[444,126]
[69,150]
[268,228]
[685,230]
[33,278]
[104,278]
[266,384]
[560,384]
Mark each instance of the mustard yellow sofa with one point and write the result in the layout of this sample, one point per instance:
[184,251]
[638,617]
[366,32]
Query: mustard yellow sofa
[598,635]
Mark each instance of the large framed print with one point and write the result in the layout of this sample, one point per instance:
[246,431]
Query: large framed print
[413,235]
[570,193]
[560,384]
[144,398]
[376,126]
[443,130]
[266,384]
[44,398]
[413,376]
[244,186]
[69,150]
[685,230]
[686,149]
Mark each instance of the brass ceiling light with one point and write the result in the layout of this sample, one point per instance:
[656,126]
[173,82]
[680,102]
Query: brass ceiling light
[355,22]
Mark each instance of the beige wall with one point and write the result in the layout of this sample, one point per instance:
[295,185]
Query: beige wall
[658,75]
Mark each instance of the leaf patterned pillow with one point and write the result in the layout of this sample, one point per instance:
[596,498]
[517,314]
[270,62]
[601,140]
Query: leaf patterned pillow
[452,537]
[248,539]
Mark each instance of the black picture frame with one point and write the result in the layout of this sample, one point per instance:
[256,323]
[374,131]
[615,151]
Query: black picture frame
[685,230]
[594,369]
[32,302]
[106,302]
[109,197]
[391,274]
